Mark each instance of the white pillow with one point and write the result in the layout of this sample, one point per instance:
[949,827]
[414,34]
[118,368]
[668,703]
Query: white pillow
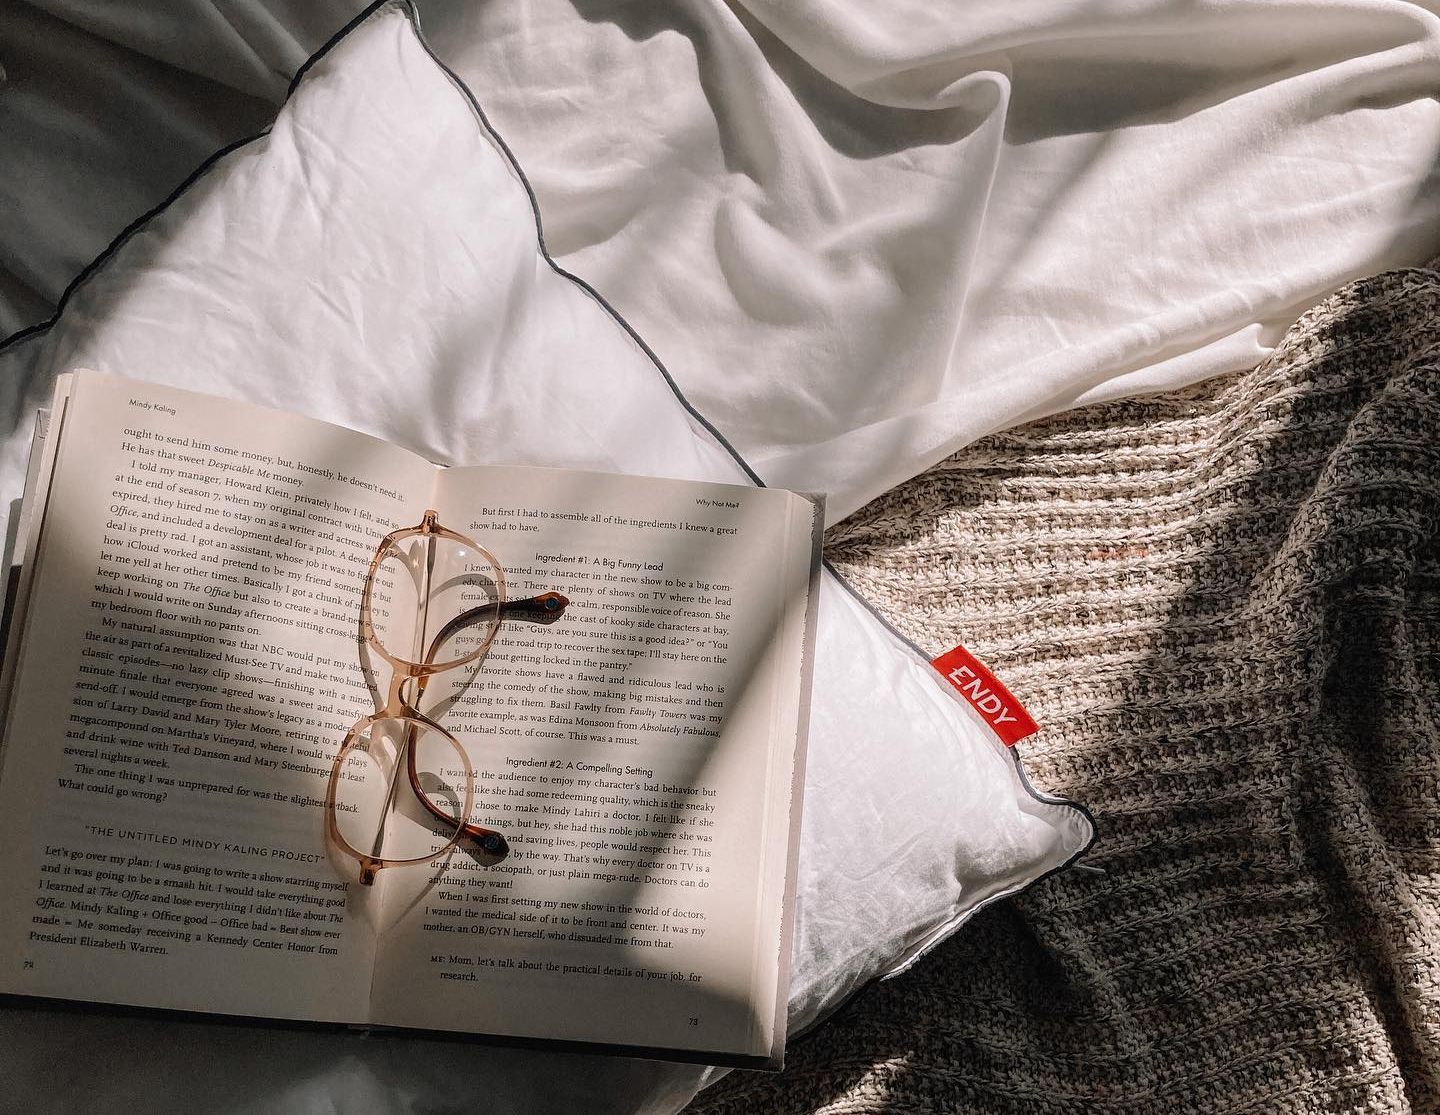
[373,260]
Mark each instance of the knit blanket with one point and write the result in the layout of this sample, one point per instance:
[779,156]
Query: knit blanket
[1222,606]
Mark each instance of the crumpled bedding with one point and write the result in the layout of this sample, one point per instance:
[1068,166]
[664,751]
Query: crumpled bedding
[857,236]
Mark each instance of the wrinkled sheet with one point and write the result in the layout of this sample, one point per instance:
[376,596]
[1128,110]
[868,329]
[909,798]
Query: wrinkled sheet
[858,236]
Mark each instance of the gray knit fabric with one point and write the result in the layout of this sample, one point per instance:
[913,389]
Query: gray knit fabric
[1222,606]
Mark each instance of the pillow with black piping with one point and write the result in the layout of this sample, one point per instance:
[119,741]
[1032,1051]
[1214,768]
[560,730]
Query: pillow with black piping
[373,259]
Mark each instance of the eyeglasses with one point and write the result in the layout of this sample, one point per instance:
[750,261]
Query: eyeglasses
[415,572]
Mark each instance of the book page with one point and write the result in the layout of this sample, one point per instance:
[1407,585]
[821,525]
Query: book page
[638,754]
[185,673]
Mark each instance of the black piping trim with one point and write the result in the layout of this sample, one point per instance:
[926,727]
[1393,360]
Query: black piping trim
[599,298]
[408,7]
[193,177]
[128,231]
[1038,795]
[334,39]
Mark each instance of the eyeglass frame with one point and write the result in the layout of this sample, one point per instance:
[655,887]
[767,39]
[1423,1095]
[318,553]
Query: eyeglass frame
[545,608]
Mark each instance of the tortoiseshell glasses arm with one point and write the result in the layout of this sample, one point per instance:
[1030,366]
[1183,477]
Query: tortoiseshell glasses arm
[543,609]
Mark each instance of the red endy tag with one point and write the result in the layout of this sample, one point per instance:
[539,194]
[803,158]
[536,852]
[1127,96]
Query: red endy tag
[986,695]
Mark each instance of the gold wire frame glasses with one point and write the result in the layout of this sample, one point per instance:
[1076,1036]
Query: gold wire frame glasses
[416,572]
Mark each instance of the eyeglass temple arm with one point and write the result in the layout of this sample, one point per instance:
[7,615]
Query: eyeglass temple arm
[546,609]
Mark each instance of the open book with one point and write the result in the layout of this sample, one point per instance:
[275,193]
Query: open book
[185,660]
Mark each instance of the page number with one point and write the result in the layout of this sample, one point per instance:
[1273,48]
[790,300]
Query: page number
[689,1021]
[27,963]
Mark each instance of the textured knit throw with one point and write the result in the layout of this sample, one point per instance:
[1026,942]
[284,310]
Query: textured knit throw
[1223,606]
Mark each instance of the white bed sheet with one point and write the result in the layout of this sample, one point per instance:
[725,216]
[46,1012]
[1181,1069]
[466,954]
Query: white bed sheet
[858,235]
